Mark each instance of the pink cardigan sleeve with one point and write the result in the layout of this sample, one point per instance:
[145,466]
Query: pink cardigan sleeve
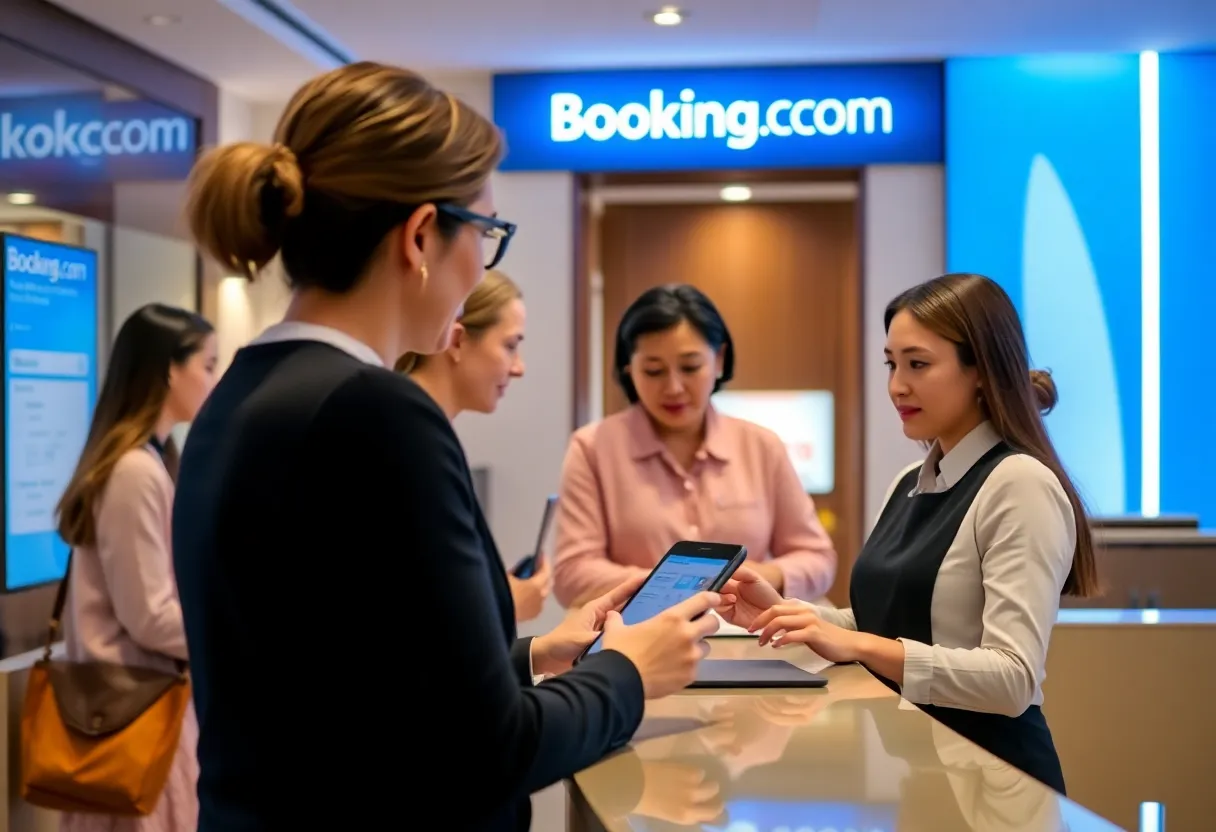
[801,546]
[582,570]
[133,546]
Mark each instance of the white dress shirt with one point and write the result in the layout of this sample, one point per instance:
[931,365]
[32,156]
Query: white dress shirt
[998,589]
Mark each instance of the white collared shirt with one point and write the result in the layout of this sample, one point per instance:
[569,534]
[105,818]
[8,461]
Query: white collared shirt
[301,331]
[997,592]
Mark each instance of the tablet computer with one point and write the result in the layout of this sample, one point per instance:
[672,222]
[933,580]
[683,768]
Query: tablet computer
[526,567]
[689,567]
[754,673]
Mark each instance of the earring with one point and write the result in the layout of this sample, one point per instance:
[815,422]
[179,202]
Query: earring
[424,274]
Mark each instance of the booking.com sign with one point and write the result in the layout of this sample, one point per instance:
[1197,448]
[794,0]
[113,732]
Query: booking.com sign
[638,120]
[87,137]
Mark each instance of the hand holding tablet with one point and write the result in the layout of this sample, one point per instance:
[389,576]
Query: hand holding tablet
[661,628]
[666,648]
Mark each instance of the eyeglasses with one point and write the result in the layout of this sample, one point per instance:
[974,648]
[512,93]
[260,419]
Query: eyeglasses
[496,234]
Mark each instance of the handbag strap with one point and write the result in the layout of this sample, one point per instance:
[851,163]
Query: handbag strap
[61,597]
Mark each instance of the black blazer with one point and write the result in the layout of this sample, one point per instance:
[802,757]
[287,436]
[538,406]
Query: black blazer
[349,620]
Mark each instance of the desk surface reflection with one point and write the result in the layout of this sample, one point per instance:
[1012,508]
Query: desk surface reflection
[849,758]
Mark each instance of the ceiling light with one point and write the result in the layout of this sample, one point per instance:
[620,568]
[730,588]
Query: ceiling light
[668,16]
[162,19]
[735,193]
[20,198]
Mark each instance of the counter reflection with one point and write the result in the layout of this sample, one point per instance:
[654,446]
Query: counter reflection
[761,764]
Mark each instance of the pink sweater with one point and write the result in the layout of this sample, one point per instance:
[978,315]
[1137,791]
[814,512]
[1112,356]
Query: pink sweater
[122,596]
[625,500]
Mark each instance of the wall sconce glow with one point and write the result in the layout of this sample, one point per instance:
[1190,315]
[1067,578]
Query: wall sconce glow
[1150,287]
[21,198]
[668,16]
[735,193]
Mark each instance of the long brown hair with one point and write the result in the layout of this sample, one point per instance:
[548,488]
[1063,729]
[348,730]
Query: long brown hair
[977,315]
[482,311]
[356,152]
[155,338]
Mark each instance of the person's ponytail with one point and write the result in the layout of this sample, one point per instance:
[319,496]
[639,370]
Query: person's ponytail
[241,196]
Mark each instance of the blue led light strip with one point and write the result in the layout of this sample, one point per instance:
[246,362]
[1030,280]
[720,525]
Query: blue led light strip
[1150,287]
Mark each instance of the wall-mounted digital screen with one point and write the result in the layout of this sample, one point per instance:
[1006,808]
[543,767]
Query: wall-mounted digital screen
[50,383]
[804,419]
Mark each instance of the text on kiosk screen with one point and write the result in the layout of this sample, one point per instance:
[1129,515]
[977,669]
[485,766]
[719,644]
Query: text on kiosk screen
[679,577]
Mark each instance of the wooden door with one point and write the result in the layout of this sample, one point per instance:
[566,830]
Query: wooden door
[785,277]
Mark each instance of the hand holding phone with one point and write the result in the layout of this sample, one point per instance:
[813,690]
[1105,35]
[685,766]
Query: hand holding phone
[667,647]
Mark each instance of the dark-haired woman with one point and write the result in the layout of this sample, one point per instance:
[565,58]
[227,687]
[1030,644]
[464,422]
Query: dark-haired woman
[670,468]
[956,591]
[122,598]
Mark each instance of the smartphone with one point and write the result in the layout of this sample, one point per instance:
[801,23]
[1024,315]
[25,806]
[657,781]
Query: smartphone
[527,566]
[689,567]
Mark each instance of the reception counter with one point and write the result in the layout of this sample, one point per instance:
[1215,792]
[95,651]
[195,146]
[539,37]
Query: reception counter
[851,756]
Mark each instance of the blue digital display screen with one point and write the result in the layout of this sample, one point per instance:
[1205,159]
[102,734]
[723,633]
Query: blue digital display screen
[734,118]
[676,579]
[50,384]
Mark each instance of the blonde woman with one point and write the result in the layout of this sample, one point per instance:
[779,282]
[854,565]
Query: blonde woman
[473,373]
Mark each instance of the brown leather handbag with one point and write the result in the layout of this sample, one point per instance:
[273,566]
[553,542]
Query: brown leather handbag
[98,737]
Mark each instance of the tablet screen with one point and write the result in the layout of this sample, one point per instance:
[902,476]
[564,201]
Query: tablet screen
[678,577]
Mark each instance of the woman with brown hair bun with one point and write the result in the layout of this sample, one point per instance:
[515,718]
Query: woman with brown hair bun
[340,589]
[956,591]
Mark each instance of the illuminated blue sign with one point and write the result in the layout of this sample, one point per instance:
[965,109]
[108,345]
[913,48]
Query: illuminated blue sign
[775,117]
[50,383]
[87,137]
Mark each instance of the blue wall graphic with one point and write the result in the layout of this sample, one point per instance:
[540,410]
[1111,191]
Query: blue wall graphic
[1043,195]
[1187,127]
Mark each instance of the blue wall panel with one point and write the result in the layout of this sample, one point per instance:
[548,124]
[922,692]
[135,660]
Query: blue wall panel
[1187,128]
[1043,195]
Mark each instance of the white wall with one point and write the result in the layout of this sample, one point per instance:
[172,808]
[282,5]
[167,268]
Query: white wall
[244,309]
[904,244]
[150,268]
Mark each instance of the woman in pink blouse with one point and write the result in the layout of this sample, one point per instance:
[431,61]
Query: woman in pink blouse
[122,597]
[671,468]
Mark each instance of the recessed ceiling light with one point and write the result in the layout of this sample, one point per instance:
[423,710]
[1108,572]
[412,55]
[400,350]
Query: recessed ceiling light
[21,198]
[162,19]
[735,193]
[668,16]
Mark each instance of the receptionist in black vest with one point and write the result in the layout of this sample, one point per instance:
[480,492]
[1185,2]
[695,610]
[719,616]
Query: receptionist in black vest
[955,593]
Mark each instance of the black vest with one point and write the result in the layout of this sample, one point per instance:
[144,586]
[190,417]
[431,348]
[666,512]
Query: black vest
[891,592]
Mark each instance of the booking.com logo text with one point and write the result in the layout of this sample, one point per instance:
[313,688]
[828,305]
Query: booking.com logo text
[65,137]
[52,268]
[739,122]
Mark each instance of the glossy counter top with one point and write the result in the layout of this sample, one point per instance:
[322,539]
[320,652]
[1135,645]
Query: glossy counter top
[851,757]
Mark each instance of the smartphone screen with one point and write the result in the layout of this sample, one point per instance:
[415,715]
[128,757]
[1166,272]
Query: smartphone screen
[688,568]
